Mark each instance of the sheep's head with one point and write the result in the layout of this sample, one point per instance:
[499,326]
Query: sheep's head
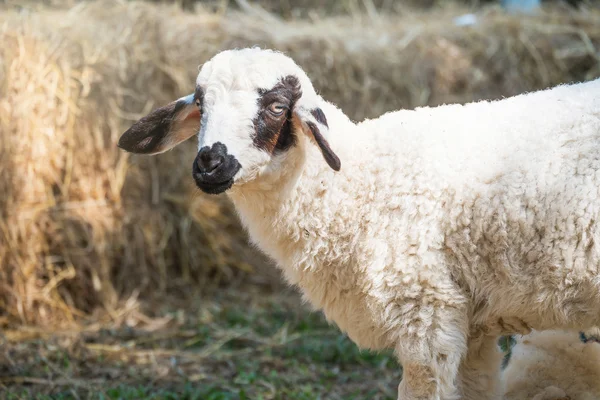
[249,109]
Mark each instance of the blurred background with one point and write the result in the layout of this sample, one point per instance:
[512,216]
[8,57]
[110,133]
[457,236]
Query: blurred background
[119,279]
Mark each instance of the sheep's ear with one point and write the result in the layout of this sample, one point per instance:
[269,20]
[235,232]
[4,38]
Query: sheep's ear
[163,128]
[316,123]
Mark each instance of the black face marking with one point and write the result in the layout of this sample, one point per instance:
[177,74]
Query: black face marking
[198,96]
[319,116]
[274,133]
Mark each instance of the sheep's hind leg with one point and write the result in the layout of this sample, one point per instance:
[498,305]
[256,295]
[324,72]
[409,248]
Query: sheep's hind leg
[479,374]
[430,363]
[480,369]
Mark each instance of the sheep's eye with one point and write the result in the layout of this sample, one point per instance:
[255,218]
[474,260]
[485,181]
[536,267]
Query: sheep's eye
[277,108]
[198,103]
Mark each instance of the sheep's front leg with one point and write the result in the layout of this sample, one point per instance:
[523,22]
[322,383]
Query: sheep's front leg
[431,357]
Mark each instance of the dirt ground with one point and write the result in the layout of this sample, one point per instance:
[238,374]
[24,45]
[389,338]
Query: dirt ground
[242,343]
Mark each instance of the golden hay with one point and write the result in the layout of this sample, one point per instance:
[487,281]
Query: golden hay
[83,226]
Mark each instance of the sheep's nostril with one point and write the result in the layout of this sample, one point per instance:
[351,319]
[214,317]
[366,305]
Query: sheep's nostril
[208,161]
[214,163]
[205,156]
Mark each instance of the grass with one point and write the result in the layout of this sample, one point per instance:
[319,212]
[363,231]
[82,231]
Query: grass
[234,347]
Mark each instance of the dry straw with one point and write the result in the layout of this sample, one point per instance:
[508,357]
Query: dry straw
[85,227]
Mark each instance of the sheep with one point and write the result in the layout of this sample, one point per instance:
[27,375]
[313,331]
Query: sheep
[553,365]
[429,231]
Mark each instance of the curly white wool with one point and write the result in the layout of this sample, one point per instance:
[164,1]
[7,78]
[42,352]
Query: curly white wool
[442,220]
[552,365]
[445,226]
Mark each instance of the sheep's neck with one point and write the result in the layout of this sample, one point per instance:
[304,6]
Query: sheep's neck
[274,211]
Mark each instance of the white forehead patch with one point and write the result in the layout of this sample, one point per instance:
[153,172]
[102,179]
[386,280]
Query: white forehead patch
[248,69]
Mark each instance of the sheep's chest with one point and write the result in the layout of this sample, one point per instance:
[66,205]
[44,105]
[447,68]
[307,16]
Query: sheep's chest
[349,310]
[337,290]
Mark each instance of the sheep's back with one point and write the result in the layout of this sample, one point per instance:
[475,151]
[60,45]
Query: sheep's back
[512,187]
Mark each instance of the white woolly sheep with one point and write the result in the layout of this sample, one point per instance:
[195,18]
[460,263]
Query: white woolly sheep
[428,231]
[553,365]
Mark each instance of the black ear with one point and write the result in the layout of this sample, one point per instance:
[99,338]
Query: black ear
[317,125]
[330,157]
[163,128]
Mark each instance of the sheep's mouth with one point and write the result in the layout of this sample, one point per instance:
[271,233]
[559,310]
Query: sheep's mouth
[219,180]
[214,188]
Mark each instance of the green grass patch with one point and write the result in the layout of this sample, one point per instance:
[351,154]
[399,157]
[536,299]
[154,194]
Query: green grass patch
[246,349]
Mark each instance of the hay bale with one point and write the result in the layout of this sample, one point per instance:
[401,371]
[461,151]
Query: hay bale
[85,226]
